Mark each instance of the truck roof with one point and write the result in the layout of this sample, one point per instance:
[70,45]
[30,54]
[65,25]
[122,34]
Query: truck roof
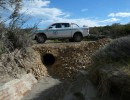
[61,23]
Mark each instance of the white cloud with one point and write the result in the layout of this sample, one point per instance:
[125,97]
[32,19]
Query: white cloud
[110,20]
[80,21]
[120,14]
[84,10]
[36,3]
[67,15]
[40,9]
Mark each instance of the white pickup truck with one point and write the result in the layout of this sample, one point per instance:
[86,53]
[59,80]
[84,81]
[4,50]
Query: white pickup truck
[70,31]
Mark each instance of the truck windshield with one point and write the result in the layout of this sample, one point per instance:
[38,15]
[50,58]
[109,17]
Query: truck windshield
[75,25]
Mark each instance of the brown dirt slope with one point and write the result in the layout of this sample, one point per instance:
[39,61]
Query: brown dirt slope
[69,59]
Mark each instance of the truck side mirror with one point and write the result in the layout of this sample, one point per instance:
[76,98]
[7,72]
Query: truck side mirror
[85,26]
[50,27]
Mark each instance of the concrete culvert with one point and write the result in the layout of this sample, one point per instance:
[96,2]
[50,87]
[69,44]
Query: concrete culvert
[48,59]
[79,96]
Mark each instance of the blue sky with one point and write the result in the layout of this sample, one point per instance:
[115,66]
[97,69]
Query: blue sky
[92,8]
[82,12]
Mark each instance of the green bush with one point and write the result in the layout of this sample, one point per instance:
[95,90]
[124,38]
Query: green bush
[114,31]
[14,39]
[19,39]
[93,37]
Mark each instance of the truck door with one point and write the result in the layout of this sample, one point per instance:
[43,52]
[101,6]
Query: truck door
[65,30]
[53,31]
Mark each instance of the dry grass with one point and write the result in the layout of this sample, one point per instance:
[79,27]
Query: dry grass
[111,67]
[11,39]
[116,52]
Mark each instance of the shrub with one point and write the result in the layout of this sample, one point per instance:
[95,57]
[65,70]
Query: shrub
[111,68]
[117,51]
[14,39]
[114,31]
[12,35]
[93,37]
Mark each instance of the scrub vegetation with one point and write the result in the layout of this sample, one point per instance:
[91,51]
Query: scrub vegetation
[12,35]
[111,68]
[113,31]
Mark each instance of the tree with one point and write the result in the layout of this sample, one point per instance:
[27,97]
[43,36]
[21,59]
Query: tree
[12,35]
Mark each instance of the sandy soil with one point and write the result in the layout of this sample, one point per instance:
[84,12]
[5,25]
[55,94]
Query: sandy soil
[42,86]
[49,88]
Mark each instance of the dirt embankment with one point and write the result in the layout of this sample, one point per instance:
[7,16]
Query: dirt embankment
[16,64]
[66,59]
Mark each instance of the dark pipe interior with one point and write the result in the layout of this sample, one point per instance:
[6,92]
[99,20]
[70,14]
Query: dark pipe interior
[48,59]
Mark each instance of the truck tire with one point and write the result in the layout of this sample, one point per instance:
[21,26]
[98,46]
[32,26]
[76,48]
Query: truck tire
[77,37]
[40,38]
[71,40]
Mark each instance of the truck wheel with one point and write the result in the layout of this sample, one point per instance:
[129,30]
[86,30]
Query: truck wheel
[71,40]
[40,38]
[77,37]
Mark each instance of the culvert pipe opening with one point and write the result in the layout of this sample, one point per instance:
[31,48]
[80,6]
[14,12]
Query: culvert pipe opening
[48,59]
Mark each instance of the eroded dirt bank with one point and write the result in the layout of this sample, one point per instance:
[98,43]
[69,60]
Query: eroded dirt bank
[62,60]
[68,58]
[58,60]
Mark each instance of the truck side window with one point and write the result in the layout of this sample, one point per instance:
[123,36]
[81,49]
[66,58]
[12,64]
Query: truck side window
[58,25]
[65,25]
[52,26]
[75,26]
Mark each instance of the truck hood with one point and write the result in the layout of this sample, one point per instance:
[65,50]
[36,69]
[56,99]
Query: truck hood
[40,31]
